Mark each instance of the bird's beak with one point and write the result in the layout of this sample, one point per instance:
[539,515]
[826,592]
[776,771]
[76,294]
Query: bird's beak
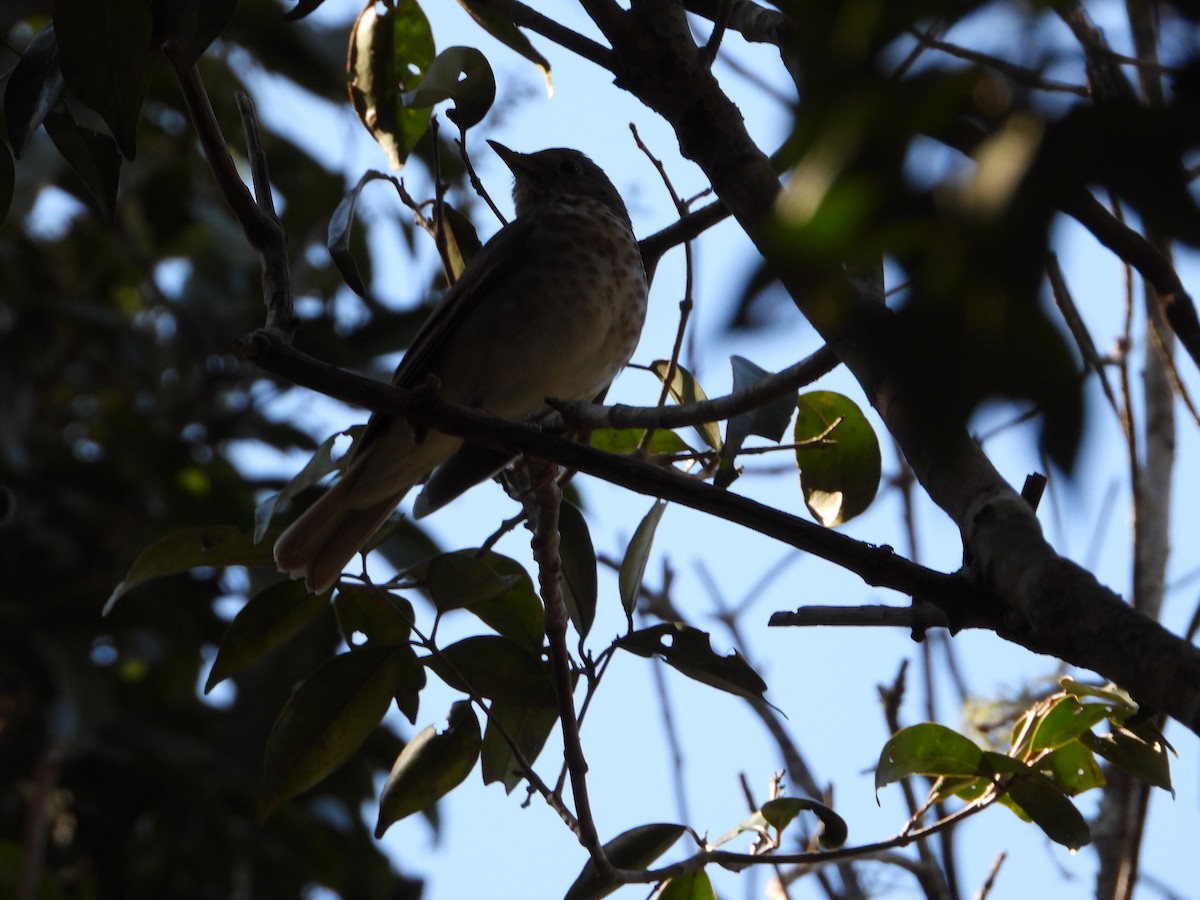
[516,162]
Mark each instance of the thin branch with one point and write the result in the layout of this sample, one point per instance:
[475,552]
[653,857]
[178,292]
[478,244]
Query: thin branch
[547,496]
[762,392]
[257,218]
[1018,74]
[919,618]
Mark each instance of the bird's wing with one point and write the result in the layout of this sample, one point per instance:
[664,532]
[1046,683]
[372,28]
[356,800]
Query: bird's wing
[490,264]
[493,261]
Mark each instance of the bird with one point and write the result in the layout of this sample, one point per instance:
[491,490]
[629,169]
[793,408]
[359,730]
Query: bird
[551,306]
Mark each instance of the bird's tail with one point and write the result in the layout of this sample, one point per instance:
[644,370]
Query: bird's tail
[319,544]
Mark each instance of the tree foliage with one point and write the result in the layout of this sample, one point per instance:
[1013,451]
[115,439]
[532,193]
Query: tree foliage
[133,259]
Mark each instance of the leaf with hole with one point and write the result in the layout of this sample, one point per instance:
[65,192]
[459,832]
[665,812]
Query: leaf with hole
[495,668]
[461,74]
[689,651]
[391,48]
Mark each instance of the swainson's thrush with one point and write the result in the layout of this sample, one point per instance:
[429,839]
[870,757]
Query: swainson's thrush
[551,306]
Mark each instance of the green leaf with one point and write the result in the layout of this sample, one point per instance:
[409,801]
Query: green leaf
[430,766]
[692,886]
[461,74]
[528,726]
[503,30]
[391,48]
[1073,768]
[462,240]
[633,566]
[34,88]
[577,555]
[270,619]
[685,389]
[515,613]
[840,464]
[1039,799]
[636,848]
[91,155]
[626,440]
[927,749]
[191,548]
[381,617]
[104,50]
[689,651]
[459,580]
[1063,721]
[326,720]
[1143,756]
[496,668]
[341,224]
[194,24]
[780,812]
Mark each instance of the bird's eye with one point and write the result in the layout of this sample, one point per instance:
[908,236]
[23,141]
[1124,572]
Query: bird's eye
[570,167]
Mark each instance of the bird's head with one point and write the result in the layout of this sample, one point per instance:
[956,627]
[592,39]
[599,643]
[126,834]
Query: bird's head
[551,175]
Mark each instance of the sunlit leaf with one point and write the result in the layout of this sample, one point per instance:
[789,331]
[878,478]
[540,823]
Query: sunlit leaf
[839,461]
[430,766]
[461,74]
[270,619]
[927,749]
[636,848]
[633,566]
[685,389]
[1143,758]
[781,811]
[691,886]
[627,440]
[214,545]
[326,720]
[508,34]
[391,48]
[688,650]
[1040,800]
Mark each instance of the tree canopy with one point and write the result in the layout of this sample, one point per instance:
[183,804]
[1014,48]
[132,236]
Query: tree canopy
[166,250]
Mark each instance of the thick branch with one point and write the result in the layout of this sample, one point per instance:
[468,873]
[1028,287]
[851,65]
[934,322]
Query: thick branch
[1074,618]
[1053,605]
